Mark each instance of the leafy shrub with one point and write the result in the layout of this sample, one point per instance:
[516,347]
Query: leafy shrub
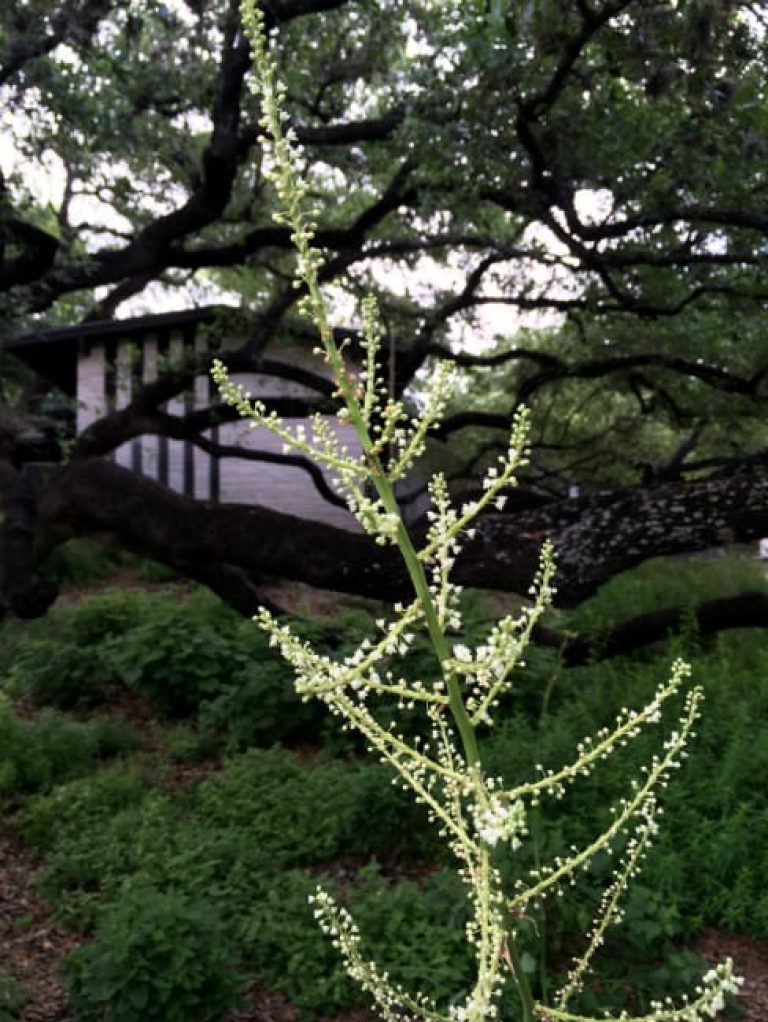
[36,754]
[178,656]
[265,812]
[293,812]
[421,927]
[67,665]
[55,673]
[138,844]
[714,810]
[153,571]
[158,957]
[13,998]
[111,614]
[52,748]
[79,807]
[281,939]
[176,653]
[260,707]
[79,562]
[418,932]
[114,736]
[384,821]
[244,837]
[14,635]
[185,744]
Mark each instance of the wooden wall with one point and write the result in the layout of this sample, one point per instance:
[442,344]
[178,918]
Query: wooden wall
[108,373]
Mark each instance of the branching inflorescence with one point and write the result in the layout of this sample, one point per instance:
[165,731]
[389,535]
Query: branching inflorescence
[477,814]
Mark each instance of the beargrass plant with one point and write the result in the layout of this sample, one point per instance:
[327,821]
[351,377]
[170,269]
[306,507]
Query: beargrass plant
[481,816]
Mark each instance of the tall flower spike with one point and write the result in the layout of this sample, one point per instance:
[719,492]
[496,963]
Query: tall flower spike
[476,813]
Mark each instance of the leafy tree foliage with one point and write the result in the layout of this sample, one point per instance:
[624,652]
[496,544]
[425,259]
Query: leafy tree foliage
[582,181]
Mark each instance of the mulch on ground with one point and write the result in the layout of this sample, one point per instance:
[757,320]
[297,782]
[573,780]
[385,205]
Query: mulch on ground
[31,945]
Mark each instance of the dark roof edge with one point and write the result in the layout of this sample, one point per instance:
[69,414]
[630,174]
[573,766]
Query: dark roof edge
[111,327]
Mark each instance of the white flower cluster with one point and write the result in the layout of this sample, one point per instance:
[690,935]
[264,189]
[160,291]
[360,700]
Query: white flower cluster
[656,774]
[502,651]
[500,821]
[592,750]
[478,815]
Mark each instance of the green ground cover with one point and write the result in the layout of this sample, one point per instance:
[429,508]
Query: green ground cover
[217,870]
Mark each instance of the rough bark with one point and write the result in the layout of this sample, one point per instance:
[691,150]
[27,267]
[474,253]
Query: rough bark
[236,549]
[745,610]
[21,590]
[595,538]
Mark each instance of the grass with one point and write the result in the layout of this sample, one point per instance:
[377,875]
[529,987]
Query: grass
[252,839]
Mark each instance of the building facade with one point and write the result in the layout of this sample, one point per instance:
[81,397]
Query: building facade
[102,365]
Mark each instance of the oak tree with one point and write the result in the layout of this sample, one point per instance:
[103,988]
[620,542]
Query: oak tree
[567,200]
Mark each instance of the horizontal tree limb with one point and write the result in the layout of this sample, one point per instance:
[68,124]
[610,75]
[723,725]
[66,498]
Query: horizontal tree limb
[745,610]
[595,537]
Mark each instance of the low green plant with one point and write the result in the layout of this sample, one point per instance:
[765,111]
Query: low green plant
[256,859]
[52,748]
[186,744]
[14,635]
[173,660]
[157,957]
[266,811]
[52,672]
[293,815]
[154,572]
[384,822]
[258,707]
[35,754]
[418,927]
[484,818]
[176,652]
[82,806]
[182,654]
[13,998]
[652,584]
[80,562]
[66,664]
[114,735]
[97,618]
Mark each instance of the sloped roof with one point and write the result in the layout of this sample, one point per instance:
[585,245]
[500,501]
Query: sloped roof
[53,352]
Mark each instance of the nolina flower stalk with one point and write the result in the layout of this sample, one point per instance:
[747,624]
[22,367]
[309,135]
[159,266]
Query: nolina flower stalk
[477,814]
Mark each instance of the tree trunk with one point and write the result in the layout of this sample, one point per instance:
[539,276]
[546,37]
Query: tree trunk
[231,547]
[21,590]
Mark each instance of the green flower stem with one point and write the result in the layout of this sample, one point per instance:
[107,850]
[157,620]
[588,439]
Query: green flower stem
[475,811]
[523,987]
[418,578]
[291,192]
[387,496]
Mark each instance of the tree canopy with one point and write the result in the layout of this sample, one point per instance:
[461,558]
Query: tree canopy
[566,198]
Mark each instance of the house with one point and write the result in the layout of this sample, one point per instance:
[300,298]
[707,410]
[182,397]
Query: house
[100,364]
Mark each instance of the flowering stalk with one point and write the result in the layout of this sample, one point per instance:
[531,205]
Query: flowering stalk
[478,814]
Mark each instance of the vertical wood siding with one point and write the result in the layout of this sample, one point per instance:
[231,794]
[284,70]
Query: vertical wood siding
[123,369]
[91,392]
[107,377]
[150,446]
[176,460]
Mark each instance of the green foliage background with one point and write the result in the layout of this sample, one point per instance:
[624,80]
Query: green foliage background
[251,834]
